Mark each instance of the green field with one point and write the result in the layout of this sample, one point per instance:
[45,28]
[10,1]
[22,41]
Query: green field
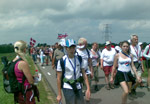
[46,96]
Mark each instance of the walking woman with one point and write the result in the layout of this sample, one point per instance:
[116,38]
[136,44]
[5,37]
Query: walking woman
[22,69]
[124,60]
[146,54]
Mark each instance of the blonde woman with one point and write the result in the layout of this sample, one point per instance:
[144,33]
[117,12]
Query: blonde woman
[22,69]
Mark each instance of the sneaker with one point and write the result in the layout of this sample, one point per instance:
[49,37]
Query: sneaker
[107,87]
[111,86]
[96,88]
[130,96]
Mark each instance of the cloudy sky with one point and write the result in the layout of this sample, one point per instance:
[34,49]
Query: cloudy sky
[44,19]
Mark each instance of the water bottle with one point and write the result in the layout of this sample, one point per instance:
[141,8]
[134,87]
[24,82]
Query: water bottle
[36,77]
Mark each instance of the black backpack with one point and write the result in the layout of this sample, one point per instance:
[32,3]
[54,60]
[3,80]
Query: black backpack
[10,82]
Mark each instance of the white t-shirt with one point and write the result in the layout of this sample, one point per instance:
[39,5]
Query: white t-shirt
[95,57]
[136,52]
[108,56]
[84,55]
[69,70]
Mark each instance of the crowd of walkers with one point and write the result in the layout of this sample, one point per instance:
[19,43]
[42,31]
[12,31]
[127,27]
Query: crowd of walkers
[76,66]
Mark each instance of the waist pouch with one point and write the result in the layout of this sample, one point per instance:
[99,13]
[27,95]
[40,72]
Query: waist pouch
[73,83]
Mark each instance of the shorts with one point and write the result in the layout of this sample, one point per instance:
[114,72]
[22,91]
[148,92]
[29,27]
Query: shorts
[124,76]
[147,64]
[107,70]
[95,68]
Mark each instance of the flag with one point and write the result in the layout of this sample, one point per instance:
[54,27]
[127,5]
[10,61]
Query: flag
[59,36]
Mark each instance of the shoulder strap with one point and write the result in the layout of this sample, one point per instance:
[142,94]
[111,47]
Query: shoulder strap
[88,53]
[62,64]
[79,58]
[148,50]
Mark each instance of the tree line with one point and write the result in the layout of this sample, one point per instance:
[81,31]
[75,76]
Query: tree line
[8,48]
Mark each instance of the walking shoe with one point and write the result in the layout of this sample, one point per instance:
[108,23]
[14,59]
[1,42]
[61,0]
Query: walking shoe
[141,84]
[148,88]
[107,87]
[133,91]
[111,86]
[130,97]
[96,88]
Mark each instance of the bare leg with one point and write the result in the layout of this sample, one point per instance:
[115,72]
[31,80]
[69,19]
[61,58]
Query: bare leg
[125,92]
[148,79]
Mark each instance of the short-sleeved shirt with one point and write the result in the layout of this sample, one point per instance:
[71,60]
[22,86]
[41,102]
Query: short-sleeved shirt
[136,52]
[58,54]
[85,56]
[69,70]
[108,56]
[95,57]
[147,56]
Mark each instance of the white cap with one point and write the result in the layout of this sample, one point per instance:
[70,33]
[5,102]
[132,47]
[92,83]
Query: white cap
[140,43]
[107,43]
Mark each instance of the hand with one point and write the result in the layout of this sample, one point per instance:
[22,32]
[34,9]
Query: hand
[97,64]
[59,97]
[101,67]
[139,79]
[92,75]
[53,66]
[88,95]
[111,80]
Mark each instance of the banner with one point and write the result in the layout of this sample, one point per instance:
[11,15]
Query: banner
[61,36]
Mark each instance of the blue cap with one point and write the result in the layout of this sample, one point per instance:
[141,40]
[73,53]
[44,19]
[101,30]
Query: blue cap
[70,42]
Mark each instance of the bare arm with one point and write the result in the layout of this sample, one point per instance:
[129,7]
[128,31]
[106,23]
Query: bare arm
[102,64]
[88,93]
[59,75]
[114,66]
[25,69]
[90,66]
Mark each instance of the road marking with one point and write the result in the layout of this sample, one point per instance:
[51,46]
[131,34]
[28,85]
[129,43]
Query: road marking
[48,73]
[43,67]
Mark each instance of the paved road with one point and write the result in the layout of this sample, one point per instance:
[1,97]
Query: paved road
[102,96]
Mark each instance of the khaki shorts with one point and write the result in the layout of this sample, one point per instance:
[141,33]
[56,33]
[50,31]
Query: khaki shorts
[138,70]
[95,68]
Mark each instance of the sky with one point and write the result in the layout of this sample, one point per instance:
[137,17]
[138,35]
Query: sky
[44,19]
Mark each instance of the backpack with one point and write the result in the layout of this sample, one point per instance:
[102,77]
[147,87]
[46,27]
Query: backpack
[10,82]
[143,58]
[62,64]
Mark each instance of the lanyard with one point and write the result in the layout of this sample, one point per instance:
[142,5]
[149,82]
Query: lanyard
[136,51]
[74,67]
[125,54]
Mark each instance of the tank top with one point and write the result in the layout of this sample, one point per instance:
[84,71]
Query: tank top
[124,64]
[19,74]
